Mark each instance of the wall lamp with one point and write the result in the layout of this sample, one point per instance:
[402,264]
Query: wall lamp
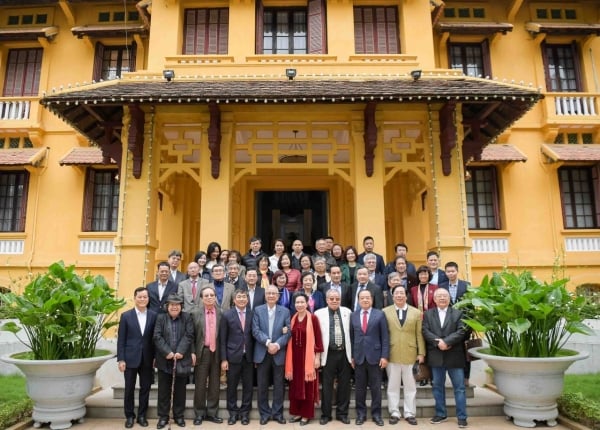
[290,73]
[416,74]
[169,75]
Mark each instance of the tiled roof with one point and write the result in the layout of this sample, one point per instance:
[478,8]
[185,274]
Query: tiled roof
[562,152]
[502,152]
[83,156]
[22,156]
[296,91]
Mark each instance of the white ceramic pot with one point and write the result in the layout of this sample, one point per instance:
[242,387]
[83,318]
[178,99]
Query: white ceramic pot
[530,385]
[59,388]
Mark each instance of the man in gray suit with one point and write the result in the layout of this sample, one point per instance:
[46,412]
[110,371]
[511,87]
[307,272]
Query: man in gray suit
[271,329]
[224,290]
[190,288]
[207,318]
[444,333]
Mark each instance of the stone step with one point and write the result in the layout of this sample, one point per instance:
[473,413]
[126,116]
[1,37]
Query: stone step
[482,402]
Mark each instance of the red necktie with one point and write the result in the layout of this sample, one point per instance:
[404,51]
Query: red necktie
[194,290]
[364,321]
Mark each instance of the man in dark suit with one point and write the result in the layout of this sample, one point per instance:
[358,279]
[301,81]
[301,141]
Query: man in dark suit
[363,283]
[174,261]
[444,333]
[368,246]
[237,346]
[256,295]
[135,355]
[233,276]
[370,353]
[401,249]
[336,284]
[271,329]
[159,290]
[456,287]
[438,275]
[207,319]
[224,290]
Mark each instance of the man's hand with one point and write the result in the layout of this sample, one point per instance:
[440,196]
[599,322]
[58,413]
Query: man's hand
[224,365]
[122,366]
[383,363]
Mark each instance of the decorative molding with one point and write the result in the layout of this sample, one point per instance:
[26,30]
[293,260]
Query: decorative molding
[582,244]
[96,247]
[490,246]
[12,246]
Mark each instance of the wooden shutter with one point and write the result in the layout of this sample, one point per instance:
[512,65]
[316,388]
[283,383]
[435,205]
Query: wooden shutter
[596,191]
[22,215]
[575,54]
[98,60]
[23,67]
[259,43]
[486,58]
[317,27]
[88,200]
[132,56]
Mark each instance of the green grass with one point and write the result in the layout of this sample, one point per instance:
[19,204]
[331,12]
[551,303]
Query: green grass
[586,384]
[14,402]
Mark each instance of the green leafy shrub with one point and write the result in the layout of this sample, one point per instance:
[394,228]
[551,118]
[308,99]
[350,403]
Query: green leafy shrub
[63,314]
[580,409]
[14,411]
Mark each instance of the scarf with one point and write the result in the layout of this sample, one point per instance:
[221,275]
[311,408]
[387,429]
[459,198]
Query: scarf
[423,297]
[310,373]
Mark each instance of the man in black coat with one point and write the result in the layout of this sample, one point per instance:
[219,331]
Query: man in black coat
[237,343]
[135,355]
[363,283]
[163,287]
[444,333]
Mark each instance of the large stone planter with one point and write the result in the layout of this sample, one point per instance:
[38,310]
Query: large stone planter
[530,386]
[59,388]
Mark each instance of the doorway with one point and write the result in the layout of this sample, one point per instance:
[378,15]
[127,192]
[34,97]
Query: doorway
[291,215]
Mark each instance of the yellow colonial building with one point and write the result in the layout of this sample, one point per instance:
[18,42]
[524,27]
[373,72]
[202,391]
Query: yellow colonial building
[128,129]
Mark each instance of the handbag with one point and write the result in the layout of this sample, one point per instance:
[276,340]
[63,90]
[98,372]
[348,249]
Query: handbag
[421,372]
[472,342]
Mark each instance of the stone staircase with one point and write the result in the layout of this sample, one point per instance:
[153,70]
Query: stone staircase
[108,403]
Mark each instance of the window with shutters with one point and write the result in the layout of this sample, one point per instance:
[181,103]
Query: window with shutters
[110,62]
[22,77]
[298,30]
[13,200]
[579,194]
[101,200]
[376,30]
[206,31]
[472,58]
[482,199]
[561,67]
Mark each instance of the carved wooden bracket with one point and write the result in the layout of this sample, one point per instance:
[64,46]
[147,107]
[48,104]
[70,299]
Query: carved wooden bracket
[370,137]
[109,148]
[214,139]
[447,135]
[473,144]
[135,142]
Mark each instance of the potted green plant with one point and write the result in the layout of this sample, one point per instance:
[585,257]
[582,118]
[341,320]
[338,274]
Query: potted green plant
[526,324]
[63,316]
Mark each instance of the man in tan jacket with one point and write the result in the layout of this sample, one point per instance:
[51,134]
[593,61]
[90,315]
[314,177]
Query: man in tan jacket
[406,346]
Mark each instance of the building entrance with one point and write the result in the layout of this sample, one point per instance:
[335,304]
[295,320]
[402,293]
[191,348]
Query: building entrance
[291,215]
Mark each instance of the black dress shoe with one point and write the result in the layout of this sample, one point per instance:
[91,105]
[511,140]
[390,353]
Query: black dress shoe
[394,420]
[360,421]
[180,422]
[245,421]
[161,423]
[281,420]
[295,419]
[197,421]
[215,419]
[378,421]
[303,422]
[344,420]
[264,421]
[231,421]
[129,422]
[411,420]
[324,420]
[142,421]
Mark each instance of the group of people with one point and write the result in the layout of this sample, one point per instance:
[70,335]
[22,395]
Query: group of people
[316,322]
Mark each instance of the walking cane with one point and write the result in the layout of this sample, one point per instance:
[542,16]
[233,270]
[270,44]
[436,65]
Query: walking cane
[173,390]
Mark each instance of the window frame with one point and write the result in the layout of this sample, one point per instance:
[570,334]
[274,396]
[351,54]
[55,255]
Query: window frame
[214,33]
[494,196]
[574,51]
[18,216]
[593,195]
[91,210]
[486,62]
[366,33]
[23,78]
[102,49]
[290,11]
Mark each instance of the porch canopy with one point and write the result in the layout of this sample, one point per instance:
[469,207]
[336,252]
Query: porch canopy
[488,107]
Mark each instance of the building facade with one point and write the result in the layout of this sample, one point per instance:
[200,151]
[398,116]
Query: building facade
[128,129]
